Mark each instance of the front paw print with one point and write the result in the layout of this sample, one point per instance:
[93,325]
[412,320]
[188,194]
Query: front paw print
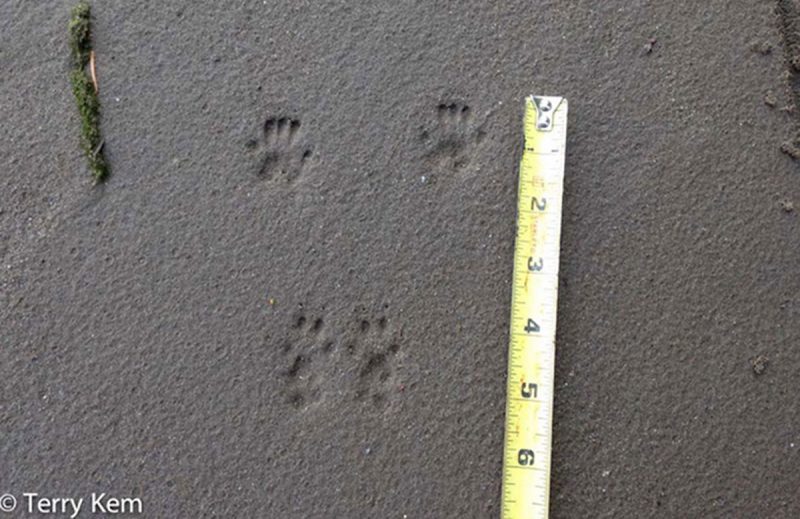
[283,155]
[453,138]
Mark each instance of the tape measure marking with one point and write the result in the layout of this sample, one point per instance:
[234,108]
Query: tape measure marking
[531,354]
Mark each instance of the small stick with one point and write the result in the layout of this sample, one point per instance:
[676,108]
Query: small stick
[98,148]
[93,71]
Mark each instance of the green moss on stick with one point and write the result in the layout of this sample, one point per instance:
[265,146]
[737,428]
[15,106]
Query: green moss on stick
[84,90]
[80,41]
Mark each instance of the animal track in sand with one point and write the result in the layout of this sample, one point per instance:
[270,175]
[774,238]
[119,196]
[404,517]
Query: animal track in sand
[304,351]
[374,349]
[452,140]
[282,152]
[363,369]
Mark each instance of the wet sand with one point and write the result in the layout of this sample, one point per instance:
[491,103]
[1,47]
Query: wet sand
[291,297]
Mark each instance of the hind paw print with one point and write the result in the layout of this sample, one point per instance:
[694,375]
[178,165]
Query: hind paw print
[283,156]
[305,354]
[358,362]
[374,350]
[452,140]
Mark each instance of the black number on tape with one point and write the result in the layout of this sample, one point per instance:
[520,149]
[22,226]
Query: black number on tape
[525,457]
[535,266]
[529,390]
[531,327]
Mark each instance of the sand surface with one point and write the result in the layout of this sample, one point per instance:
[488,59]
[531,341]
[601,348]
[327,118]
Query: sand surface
[291,298]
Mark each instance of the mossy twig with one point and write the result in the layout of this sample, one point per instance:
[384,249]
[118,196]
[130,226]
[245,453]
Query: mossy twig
[84,89]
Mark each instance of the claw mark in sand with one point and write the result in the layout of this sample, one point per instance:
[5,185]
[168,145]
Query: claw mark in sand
[451,141]
[283,153]
[789,13]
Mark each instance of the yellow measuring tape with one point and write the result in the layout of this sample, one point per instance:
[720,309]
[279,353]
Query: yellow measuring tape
[531,352]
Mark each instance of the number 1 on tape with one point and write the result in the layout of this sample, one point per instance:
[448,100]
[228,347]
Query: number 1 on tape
[531,352]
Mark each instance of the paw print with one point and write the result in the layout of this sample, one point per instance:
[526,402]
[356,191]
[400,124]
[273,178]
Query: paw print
[358,362]
[373,350]
[451,142]
[305,353]
[283,156]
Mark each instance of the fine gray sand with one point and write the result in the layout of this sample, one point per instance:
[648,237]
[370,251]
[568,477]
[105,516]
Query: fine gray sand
[291,297]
